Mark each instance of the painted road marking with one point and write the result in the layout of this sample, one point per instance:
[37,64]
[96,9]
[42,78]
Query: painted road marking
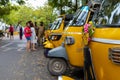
[6,45]
[7,49]
[20,49]
[21,45]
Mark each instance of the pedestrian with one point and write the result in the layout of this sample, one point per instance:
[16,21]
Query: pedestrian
[33,36]
[41,33]
[20,32]
[11,30]
[36,29]
[27,33]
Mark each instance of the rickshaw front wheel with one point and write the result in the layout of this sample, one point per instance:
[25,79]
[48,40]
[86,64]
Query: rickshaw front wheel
[57,66]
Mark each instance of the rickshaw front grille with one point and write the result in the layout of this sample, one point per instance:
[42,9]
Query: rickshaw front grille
[114,55]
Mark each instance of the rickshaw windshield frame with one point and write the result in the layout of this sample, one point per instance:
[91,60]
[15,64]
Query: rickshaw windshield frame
[80,17]
[57,23]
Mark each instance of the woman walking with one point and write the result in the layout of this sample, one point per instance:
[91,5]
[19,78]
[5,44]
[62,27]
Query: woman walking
[11,30]
[27,33]
[33,36]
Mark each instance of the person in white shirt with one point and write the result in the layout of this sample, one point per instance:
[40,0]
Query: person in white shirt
[33,37]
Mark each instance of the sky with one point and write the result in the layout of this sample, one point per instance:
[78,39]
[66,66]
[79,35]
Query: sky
[36,3]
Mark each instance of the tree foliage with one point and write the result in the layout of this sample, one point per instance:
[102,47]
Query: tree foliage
[25,14]
[14,14]
[71,5]
[59,4]
[6,2]
[6,6]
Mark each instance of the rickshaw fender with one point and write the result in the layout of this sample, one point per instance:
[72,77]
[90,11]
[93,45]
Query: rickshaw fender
[58,52]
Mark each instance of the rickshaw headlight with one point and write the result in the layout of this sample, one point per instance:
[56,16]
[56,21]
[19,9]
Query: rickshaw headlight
[55,37]
[59,77]
[69,40]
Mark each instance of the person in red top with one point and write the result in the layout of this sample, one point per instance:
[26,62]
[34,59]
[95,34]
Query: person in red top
[11,30]
[27,33]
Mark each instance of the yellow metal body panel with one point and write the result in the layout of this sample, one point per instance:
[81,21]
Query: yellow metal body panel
[47,33]
[107,33]
[46,42]
[49,45]
[75,51]
[66,78]
[104,68]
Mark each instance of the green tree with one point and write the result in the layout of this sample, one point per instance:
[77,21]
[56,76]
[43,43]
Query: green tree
[6,7]
[45,14]
[25,14]
[22,15]
[6,2]
[61,5]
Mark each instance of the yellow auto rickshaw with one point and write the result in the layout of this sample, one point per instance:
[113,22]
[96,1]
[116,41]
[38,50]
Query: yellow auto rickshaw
[46,33]
[105,45]
[71,51]
[102,54]
[55,36]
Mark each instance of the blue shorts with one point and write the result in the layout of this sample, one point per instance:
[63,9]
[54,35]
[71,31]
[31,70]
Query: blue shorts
[28,38]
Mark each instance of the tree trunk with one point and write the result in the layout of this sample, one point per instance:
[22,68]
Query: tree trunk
[84,2]
[76,5]
[61,11]
[61,6]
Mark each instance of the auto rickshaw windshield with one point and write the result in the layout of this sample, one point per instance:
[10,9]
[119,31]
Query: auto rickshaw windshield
[56,24]
[80,17]
[109,14]
[52,26]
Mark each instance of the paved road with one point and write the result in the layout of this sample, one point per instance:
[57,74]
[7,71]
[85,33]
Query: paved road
[17,64]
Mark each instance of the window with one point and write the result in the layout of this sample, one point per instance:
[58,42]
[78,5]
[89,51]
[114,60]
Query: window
[56,24]
[110,13]
[81,16]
